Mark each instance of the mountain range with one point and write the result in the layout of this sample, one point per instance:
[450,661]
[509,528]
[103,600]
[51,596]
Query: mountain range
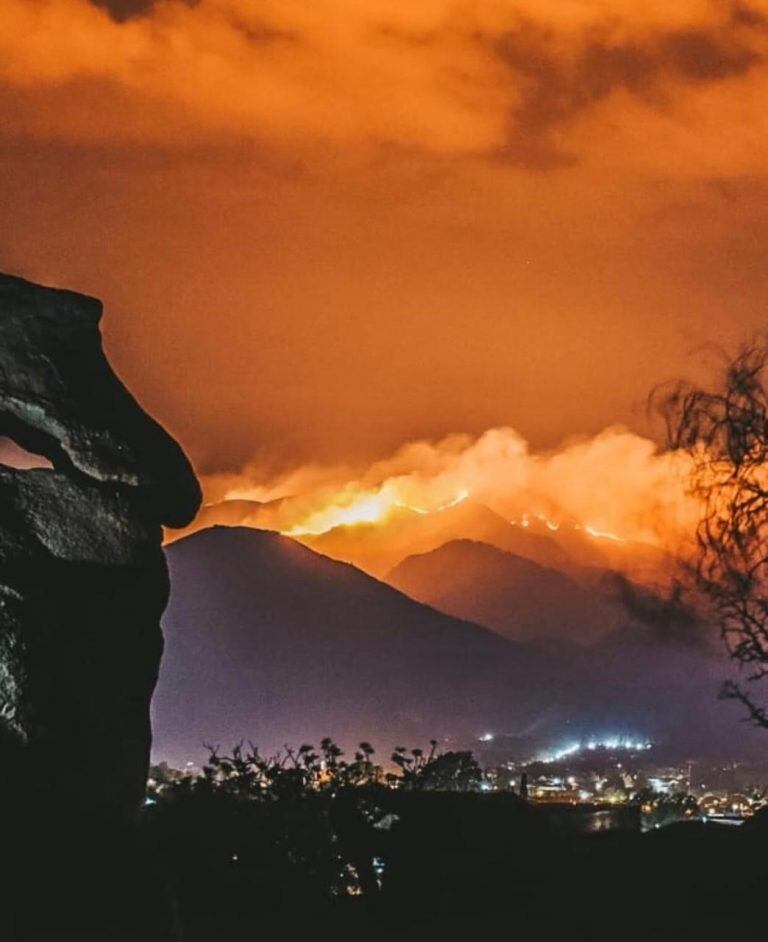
[270,641]
[516,597]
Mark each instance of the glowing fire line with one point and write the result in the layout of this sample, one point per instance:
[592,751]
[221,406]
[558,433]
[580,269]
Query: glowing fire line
[367,509]
[525,522]
[600,534]
[378,506]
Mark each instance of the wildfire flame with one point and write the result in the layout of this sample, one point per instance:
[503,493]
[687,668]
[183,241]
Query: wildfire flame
[368,508]
[601,534]
[615,489]
[526,521]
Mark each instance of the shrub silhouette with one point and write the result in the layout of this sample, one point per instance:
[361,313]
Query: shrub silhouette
[307,823]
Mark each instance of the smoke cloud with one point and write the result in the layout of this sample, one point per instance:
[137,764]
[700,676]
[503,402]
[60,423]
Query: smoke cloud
[617,484]
[668,618]
[321,229]
[527,82]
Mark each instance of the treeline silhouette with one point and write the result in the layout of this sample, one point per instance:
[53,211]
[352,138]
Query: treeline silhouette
[304,818]
[311,841]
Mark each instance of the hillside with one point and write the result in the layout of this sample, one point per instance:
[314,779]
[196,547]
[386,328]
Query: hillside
[515,596]
[377,548]
[268,640]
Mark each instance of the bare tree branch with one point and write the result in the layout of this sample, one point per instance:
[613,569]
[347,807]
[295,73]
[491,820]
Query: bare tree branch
[725,431]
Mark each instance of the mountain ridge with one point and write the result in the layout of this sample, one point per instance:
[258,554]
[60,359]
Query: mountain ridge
[256,619]
[517,597]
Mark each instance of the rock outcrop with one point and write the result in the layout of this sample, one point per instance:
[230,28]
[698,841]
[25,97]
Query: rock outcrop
[83,580]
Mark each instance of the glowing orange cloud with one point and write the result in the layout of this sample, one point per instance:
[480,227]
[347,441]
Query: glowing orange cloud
[530,82]
[324,228]
[616,486]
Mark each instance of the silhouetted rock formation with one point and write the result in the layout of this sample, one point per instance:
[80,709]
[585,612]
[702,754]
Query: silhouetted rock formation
[83,581]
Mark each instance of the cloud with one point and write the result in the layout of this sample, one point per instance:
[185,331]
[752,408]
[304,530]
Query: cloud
[121,10]
[668,617]
[559,85]
[615,482]
[530,82]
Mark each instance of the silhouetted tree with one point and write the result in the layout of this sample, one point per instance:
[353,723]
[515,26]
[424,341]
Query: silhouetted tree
[446,772]
[725,432]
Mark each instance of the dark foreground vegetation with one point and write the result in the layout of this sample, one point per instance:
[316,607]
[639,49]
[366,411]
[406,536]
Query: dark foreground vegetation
[313,844]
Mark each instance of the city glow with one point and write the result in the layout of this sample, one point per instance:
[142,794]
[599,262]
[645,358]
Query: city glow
[611,743]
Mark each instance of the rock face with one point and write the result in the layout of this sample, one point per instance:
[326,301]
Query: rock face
[83,581]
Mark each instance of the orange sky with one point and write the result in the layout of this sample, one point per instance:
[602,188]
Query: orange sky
[324,228]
